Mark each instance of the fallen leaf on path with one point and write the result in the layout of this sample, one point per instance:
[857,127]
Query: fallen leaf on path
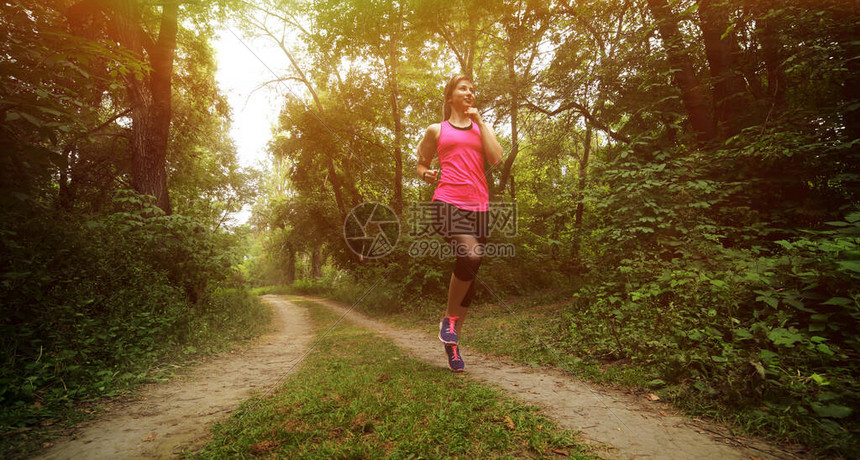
[560,452]
[509,423]
[663,413]
[653,397]
[263,447]
[754,458]
[149,437]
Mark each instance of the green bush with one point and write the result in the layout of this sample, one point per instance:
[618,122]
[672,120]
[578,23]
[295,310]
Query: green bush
[703,276]
[90,303]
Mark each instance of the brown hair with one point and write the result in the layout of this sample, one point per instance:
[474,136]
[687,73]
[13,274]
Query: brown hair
[449,90]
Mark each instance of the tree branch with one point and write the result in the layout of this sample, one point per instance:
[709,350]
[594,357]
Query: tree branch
[579,108]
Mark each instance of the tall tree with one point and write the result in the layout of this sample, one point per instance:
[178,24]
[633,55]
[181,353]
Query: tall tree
[149,91]
[683,73]
[728,89]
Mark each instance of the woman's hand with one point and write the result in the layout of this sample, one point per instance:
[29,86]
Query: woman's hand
[473,115]
[430,176]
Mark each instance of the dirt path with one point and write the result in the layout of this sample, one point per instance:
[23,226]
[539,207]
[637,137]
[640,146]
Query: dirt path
[632,426]
[164,419]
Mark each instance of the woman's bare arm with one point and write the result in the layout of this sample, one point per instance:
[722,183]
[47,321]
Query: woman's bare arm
[426,152]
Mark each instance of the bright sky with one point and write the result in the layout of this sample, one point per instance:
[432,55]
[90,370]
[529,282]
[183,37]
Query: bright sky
[239,73]
[254,112]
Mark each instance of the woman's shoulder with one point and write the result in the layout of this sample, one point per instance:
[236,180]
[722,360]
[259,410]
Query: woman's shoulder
[434,130]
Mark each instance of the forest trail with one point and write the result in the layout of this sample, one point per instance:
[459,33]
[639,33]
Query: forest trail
[161,420]
[164,419]
[628,426]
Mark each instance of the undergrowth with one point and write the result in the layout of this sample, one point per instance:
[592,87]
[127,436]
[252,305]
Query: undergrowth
[94,305]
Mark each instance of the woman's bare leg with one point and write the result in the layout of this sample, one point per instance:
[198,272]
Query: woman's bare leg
[458,288]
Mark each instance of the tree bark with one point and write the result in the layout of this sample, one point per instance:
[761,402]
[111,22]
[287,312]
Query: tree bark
[583,178]
[397,201]
[515,105]
[580,206]
[149,94]
[316,262]
[683,75]
[149,166]
[290,273]
[728,88]
[768,36]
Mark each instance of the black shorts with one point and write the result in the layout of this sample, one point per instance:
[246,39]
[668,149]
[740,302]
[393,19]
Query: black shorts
[449,220]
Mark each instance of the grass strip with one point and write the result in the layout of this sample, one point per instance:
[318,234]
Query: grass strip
[540,320]
[358,395]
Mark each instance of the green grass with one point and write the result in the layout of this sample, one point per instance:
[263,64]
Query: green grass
[509,330]
[521,329]
[357,396]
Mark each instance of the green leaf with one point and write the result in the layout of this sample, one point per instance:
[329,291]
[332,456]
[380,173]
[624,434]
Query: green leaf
[841,301]
[784,337]
[831,410]
[768,356]
[785,244]
[824,349]
[33,120]
[853,265]
[742,334]
[656,383]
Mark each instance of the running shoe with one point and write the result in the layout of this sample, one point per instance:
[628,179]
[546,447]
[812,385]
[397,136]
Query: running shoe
[448,330]
[455,360]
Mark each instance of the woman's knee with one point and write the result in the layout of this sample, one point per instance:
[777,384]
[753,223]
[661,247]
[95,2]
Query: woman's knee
[467,267]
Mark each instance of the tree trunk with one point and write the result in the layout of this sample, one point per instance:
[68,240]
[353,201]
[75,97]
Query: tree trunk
[393,75]
[316,262]
[150,97]
[771,49]
[515,104]
[850,46]
[290,273]
[397,202]
[683,74]
[580,206]
[728,91]
[149,167]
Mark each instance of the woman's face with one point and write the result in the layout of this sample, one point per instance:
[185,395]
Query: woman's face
[463,95]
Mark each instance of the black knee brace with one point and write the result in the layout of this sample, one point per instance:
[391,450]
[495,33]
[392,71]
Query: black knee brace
[467,266]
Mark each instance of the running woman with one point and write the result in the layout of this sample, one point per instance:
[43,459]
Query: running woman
[461,200]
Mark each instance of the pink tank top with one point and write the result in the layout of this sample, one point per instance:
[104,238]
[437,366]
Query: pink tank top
[461,155]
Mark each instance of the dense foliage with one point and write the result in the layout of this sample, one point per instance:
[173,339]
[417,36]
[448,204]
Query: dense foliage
[99,283]
[692,164]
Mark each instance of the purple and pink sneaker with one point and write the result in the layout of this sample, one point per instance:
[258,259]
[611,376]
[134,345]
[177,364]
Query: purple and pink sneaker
[455,360]
[448,330]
